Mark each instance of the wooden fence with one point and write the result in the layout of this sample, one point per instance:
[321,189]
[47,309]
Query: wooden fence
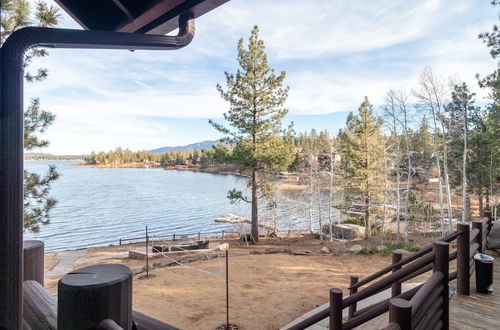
[222,234]
[435,257]
[173,237]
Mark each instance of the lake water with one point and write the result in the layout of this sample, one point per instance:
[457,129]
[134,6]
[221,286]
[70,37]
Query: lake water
[98,206]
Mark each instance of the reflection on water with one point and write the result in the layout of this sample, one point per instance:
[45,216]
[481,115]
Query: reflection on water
[99,206]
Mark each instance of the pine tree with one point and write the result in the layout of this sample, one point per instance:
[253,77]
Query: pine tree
[256,97]
[16,14]
[462,113]
[491,137]
[423,146]
[361,147]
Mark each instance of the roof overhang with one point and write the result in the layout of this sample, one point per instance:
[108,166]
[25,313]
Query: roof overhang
[133,16]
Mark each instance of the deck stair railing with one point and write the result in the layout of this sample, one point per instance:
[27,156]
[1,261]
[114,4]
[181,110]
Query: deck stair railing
[428,308]
[468,242]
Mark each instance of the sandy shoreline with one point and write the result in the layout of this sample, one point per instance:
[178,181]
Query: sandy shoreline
[267,291]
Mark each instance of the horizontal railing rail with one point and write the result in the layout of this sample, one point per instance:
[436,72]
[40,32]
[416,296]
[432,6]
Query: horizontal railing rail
[410,258]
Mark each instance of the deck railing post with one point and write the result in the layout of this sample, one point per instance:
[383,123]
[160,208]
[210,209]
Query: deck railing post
[33,262]
[223,234]
[120,242]
[463,259]
[397,256]
[352,308]
[335,309]
[479,237]
[88,295]
[400,313]
[441,264]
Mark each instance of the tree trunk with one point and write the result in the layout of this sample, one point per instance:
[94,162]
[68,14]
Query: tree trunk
[398,180]
[331,192]
[311,229]
[480,200]
[319,207]
[384,218]
[487,198]
[408,181]
[447,181]
[440,182]
[493,207]
[368,227]
[464,171]
[255,209]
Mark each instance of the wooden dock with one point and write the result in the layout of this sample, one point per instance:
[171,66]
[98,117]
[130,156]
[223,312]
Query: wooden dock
[477,311]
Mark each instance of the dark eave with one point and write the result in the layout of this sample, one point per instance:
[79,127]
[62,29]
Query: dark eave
[135,16]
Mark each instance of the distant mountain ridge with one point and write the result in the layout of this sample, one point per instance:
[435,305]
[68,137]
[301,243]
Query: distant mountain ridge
[190,147]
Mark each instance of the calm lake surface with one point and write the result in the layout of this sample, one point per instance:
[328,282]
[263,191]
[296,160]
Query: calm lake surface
[98,206]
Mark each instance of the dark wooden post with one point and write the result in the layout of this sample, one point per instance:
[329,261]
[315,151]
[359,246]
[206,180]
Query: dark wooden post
[463,259]
[488,214]
[33,261]
[397,256]
[441,252]
[92,294]
[400,313]
[174,238]
[223,234]
[147,253]
[120,242]
[352,308]
[335,309]
[199,236]
[479,237]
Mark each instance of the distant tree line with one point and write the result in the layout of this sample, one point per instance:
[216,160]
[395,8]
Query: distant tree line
[219,154]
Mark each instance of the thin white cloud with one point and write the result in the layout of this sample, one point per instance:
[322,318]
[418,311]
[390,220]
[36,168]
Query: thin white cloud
[334,52]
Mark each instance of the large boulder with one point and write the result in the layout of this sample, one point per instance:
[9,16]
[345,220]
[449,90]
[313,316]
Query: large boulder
[355,248]
[325,250]
[348,231]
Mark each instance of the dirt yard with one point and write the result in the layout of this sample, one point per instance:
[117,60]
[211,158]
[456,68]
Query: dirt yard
[267,290]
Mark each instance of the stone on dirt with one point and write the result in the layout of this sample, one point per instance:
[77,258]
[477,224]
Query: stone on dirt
[324,249]
[348,231]
[355,248]
[381,248]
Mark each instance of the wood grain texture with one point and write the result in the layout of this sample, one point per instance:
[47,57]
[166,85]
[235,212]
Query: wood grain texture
[477,311]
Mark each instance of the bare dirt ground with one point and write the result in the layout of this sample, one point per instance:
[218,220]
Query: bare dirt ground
[267,290]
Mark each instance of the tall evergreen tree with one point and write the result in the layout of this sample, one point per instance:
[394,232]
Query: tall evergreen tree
[361,147]
[16,14]
[423,146]
[462,113]
[256,96]
[492,118]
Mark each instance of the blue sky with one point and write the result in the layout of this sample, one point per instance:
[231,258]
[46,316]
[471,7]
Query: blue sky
[334,52]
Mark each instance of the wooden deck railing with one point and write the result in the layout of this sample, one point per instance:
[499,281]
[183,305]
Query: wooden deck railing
[402,269]
[428,308]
